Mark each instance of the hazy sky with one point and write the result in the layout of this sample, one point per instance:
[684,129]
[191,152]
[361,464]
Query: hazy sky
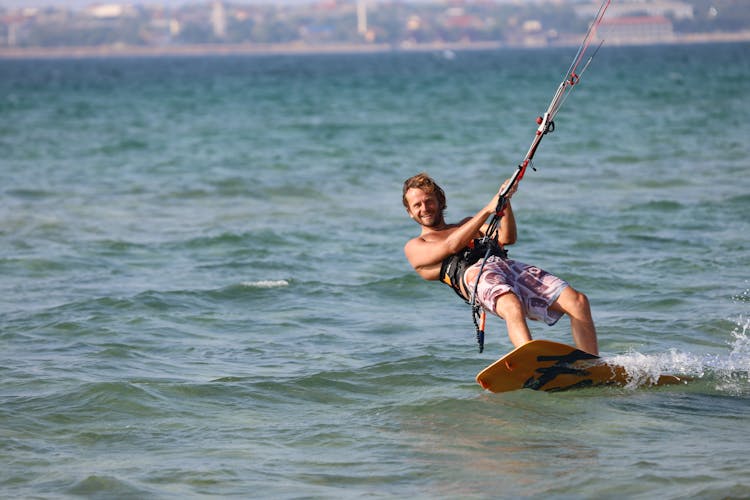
[84,3]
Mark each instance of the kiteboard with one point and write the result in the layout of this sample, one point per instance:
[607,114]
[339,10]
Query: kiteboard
[543,365]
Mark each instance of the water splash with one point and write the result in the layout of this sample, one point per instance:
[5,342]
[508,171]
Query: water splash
[728,373]
[742,297]
[734,370]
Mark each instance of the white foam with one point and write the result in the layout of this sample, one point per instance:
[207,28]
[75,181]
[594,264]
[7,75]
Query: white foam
[735,368]
[741,344]
[730,373]
[265,283]
[645,369]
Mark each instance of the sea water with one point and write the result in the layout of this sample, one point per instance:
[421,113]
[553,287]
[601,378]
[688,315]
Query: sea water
[204,292]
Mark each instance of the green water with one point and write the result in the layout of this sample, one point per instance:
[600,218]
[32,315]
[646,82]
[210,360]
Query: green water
[205,294]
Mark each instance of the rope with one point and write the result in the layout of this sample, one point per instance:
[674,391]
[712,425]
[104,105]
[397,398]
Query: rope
[546,125]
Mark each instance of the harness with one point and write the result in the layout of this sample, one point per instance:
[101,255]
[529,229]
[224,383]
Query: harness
[454,266]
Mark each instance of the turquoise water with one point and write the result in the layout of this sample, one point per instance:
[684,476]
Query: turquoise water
[205,294]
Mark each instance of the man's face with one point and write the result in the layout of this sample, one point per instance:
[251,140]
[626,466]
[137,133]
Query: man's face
[424,208]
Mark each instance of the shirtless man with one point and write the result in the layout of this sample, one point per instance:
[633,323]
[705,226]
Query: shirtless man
[512,290]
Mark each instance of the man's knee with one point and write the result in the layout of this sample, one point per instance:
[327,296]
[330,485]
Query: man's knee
[581,299]
[571,301]
[578,302]
[508,306]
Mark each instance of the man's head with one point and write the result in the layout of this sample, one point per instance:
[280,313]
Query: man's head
[424,200]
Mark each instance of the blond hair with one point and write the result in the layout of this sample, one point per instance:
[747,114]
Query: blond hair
[428,185]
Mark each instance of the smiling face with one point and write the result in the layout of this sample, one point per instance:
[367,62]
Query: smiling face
[424,200]
[424,208]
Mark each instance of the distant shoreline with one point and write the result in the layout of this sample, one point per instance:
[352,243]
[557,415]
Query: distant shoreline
[297,48]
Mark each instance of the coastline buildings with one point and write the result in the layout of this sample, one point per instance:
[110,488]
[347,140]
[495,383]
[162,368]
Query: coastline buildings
[324,24]
[219,19]
[668,8]
[641,29]
[361,17]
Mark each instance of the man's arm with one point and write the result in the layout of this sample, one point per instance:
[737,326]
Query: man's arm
[506,233]
[426,256]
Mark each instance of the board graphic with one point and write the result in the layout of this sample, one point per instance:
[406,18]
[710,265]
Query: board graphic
[551,366]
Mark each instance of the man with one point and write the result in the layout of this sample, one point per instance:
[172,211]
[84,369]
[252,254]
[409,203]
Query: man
[512,290]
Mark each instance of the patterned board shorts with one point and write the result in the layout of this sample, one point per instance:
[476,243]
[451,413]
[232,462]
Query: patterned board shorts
[536,288]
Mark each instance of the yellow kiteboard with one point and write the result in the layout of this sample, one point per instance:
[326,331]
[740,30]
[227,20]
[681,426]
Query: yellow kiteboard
[550,366]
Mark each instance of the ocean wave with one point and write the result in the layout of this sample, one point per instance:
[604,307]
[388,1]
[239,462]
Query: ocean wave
[107,485]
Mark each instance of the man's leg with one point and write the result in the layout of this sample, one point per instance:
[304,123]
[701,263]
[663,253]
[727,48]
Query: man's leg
[576,306]
[509,307]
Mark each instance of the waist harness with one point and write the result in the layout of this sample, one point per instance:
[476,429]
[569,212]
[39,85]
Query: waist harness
[454,266]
